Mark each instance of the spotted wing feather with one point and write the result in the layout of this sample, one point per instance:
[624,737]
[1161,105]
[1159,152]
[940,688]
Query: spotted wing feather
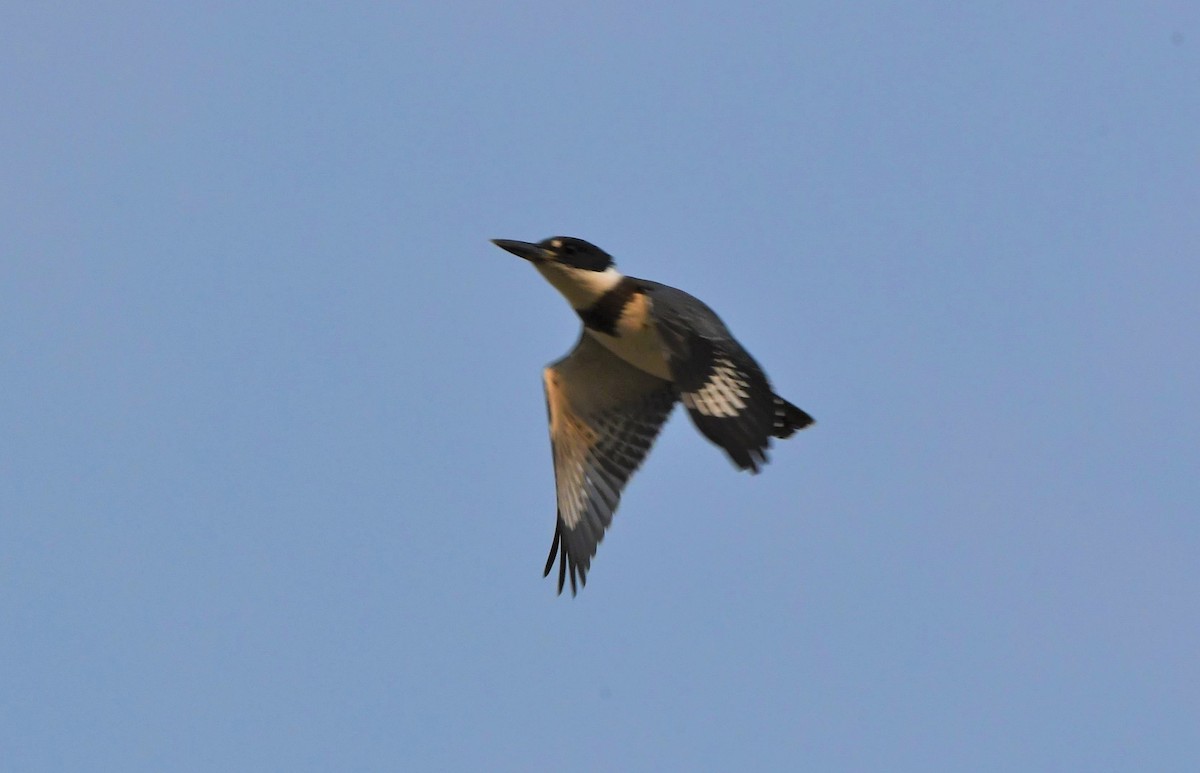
[604,416]
[724,390]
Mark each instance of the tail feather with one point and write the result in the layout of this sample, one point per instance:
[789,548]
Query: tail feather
[788,419]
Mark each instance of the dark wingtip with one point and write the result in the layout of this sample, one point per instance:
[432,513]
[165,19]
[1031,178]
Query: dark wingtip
[565,563]
[748,461]
[745,456]
[553,552]
[562,563]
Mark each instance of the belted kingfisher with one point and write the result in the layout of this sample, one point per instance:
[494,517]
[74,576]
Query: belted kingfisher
[644,345]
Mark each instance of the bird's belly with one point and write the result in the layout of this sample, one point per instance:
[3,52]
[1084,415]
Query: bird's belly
[639,346]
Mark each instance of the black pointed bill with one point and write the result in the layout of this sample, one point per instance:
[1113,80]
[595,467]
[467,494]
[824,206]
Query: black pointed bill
[531,252]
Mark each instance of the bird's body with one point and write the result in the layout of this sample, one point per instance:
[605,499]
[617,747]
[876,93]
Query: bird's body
[644,346]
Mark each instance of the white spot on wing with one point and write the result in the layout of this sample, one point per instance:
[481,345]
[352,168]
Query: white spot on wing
[723,395]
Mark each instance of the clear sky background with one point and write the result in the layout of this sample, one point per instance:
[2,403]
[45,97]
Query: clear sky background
[275,482]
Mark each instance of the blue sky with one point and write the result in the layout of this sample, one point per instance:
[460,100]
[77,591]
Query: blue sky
[275,485]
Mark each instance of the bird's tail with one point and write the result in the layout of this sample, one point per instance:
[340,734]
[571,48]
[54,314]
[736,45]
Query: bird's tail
[788,418]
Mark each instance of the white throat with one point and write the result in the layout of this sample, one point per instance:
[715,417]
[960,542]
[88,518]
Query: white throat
[580,287]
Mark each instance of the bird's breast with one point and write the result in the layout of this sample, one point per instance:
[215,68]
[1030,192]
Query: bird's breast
[634,338]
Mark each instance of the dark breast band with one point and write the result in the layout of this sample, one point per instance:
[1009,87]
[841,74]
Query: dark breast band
[603,315]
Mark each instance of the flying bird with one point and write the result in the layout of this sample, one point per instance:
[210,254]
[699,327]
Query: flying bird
[643,347]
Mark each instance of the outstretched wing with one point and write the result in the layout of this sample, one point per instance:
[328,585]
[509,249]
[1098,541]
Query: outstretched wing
[725,391]
[604,416]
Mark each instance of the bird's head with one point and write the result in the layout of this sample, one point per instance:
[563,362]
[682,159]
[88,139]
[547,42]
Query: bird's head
[579,270]
[565,250]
